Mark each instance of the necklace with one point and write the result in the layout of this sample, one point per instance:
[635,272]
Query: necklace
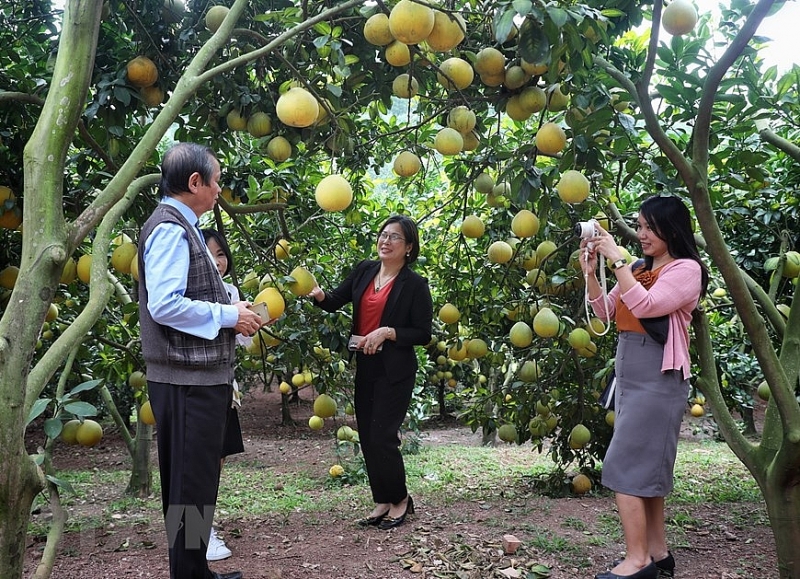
[379,284]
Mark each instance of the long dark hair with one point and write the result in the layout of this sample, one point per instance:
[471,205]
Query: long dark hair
[180,162]
[217,236]
[669,218]
[410,232]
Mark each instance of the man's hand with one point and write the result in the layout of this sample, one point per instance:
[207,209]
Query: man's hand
[249,322]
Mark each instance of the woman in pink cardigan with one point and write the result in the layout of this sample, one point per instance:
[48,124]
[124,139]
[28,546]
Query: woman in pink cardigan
[652,377]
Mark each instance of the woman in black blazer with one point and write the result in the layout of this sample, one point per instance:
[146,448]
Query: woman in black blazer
[392,313]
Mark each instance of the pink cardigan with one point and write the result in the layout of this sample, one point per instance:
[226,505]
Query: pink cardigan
[676,293]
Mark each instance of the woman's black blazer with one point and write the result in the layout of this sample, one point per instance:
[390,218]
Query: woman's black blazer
[409,310]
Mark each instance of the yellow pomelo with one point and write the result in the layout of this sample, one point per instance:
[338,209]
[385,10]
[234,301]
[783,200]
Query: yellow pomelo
[515,77]
[500,252]
[477,348]
[11,218]
[70,271]
[472,227]
[557,100]
[525,224]
[533,69]
[89,433]
[579,338]
[521,335]
[152,96]
[146,414]
[515,110]
[573,187]
[603,220]
[303,282]
[285,388]
[297,108]
[697,410]
[69,431]
[457,354]
[493,80]
[273,299]
[279,149]
[235,120]
[550,139]
[298,380]
[259,124]
[484,183]
[490,62]
[137,380]
[471,141]
[84,267]
[316,423]
[121,257]
[544,249]
[579,437]
[581,484]
[405,86]
[447,32]
[215,16]
[610,416]
[791,267]
[455,73]
[52,313]
[533,99]
[461,119]
[546,323]
[376,30]
[282,251]
[336,470]
[529,371]
[334,193]
[537,278]
[142,72]
[449,314]
[324,406]
[507,433]
[406,164]
[448,141]
[595,327]
[411,22]
[398,54]
[679,17]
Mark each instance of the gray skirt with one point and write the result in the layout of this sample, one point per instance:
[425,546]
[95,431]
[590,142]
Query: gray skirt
[649,407]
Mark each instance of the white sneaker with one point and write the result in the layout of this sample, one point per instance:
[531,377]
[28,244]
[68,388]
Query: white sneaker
[217,551]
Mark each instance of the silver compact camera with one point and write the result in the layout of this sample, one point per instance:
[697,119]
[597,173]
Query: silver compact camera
[587,229]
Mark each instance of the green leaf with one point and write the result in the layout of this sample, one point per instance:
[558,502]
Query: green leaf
[52,427]
[523,7]
[38,407]
[503,26]
[81,409]
[84,386]
[558,16]
[60,483]
[533,44]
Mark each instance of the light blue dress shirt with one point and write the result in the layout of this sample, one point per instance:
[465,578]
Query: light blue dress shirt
[166,265]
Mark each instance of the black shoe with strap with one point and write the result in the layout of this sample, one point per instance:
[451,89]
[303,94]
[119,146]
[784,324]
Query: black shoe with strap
[231,575]
[648,572]
[392,522]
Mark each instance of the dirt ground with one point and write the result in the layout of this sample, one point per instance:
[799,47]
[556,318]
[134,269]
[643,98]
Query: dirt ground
[560,538]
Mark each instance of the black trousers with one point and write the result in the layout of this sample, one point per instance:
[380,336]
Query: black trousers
[381,407]
[190,425]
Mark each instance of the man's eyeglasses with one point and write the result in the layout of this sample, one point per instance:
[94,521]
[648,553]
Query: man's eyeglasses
[391,237]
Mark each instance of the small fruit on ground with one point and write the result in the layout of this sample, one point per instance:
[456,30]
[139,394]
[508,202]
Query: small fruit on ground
[324,406]
[697,410]
[336,470]
[581,484]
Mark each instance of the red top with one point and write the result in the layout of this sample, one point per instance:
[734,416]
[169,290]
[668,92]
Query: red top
[371,308]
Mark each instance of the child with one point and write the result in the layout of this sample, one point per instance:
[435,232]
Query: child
[218,247]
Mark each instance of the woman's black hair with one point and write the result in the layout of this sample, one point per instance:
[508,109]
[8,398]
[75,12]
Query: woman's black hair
[217,236]
[669,218]
[180,162]
[410,232]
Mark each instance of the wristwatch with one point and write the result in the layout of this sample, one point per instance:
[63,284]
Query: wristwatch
[621,262]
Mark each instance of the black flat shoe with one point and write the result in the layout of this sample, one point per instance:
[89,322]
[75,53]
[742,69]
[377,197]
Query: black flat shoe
[372,521]
[392,522]
[666,566]
[648,572]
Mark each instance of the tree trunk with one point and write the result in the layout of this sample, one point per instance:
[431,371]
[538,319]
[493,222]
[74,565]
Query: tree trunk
[783,508]
[141,479]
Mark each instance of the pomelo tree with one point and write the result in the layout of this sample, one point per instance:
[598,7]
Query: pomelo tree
[639,112]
